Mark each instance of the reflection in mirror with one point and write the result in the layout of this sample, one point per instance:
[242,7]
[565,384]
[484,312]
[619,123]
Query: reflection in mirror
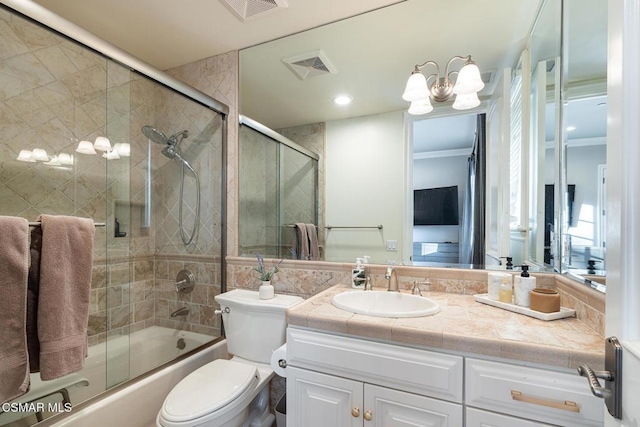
[363,146]
[585,140]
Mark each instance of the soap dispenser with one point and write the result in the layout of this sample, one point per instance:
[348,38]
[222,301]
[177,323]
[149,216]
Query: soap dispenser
[358,276]
[505,294]
[522,286]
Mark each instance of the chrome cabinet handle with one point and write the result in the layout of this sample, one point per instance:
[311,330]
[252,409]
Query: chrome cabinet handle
[594,384]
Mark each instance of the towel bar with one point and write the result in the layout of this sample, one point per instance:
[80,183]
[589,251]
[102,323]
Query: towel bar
[37,224]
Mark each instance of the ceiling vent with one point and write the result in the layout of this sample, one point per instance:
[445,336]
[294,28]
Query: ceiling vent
[310,64]
[487,76]
[249,9]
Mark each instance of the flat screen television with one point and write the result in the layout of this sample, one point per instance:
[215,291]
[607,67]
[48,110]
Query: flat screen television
[435,206]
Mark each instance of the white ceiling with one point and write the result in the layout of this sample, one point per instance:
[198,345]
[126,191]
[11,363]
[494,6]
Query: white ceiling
[374,54]
[168,33]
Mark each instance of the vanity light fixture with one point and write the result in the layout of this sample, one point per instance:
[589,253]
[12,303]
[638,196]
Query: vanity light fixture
[342,99]
[465,87]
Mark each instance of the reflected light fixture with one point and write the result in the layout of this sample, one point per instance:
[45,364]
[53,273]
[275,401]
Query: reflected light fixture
[40,155]
[102,143]
[85,147]
[25,156]
[122,148]
[420,90]
[111,155]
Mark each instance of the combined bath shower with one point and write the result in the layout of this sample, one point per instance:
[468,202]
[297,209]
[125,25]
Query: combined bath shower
[172,151]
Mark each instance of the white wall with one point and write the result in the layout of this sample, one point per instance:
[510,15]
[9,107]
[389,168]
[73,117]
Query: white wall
[434,173]
[364,186]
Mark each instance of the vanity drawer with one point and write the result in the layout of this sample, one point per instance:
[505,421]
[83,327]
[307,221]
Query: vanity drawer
[537,394]
[403,368]
[479,418]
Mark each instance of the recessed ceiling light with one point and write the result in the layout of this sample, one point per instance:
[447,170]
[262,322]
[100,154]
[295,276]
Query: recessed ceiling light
[570,128]
[343,99]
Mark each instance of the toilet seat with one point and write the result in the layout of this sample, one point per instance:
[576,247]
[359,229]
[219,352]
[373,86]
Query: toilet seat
[209,389]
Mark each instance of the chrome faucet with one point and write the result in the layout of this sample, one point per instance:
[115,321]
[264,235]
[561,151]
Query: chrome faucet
[389,275]
[180,312]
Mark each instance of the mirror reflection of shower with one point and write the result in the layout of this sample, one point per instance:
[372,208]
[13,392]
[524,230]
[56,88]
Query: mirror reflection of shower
[172,151]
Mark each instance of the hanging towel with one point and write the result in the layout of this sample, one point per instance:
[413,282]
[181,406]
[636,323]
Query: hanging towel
[33,345]
[301,241]
[312,235]
[14,266]
[63,301]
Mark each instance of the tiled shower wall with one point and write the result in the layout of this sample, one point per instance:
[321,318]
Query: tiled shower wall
[54,93]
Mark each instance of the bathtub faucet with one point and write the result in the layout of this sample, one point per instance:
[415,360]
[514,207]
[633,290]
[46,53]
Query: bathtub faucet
[180,312]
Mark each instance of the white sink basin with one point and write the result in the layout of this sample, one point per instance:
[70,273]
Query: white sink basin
[385,304]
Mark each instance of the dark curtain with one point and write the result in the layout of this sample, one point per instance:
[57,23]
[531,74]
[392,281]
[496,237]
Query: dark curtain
[473,226]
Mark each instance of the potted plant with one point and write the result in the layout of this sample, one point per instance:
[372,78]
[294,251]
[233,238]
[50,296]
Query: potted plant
[265,274]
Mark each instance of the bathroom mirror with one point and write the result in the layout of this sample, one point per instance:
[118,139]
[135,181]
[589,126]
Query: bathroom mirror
[584,141]
[369,57]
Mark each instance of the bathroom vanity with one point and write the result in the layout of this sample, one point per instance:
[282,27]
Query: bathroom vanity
[469,365]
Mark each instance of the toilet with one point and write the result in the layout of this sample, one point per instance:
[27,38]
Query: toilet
[233,393]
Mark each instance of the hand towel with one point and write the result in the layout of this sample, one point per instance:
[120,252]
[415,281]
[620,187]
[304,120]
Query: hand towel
[301,241]
[312,235]
[63,302]
[14,267]
[33,345]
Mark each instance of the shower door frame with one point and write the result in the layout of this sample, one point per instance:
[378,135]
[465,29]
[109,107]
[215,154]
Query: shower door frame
[284,141]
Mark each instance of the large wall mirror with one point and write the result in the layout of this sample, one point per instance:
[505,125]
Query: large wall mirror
[373,156]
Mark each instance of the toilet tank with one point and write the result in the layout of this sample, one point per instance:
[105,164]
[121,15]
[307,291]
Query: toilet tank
[254,327]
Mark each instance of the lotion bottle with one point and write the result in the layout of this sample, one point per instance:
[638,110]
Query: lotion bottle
[506,290]
[358,274]
[522,286]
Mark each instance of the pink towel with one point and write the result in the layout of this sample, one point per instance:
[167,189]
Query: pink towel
[301,241]
[63,301]
[14,266]
[312,235]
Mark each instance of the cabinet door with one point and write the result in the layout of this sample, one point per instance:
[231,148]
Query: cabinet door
[318,400]
[391,408]
[478,418]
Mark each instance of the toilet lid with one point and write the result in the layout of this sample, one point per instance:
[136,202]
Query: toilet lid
[208,389]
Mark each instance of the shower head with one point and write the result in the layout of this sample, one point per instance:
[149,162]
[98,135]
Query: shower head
[160,138]
[155,135]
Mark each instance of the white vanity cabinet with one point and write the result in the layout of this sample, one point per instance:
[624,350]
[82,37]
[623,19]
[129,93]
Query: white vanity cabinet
[326,400]
[340,381]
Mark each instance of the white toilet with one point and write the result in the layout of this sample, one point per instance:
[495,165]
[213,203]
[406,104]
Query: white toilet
[233,393]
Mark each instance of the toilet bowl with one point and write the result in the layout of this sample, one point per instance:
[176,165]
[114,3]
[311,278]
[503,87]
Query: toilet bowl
[233,393]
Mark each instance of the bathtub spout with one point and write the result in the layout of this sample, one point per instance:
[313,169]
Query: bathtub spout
[180,312]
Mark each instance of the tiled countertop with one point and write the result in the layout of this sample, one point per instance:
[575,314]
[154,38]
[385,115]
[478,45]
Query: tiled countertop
[463,325]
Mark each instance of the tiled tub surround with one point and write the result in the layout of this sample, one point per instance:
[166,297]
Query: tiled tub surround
[127,296]
[463,325]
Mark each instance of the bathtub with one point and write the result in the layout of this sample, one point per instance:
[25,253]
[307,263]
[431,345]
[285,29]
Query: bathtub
[128,357]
